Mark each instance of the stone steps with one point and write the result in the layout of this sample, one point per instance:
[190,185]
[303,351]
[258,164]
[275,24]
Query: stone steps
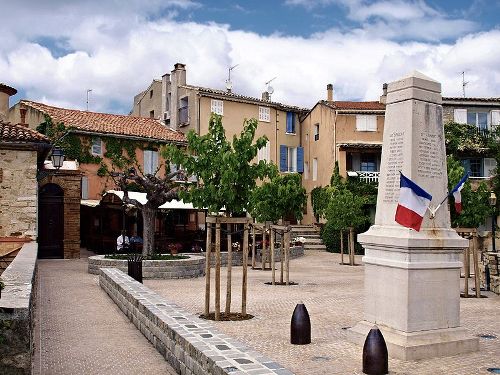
[312,239]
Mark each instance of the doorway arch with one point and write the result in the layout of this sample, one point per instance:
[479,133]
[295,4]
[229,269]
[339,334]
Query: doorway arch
[51,221]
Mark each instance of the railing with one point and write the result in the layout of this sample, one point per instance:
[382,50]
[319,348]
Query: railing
[183,115]
[368,177]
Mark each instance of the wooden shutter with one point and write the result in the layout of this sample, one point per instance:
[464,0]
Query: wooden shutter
[289,122]
[361,123]
[147,162]
[283,158]
[371,123]
[495,118]
[489,167]
[85,187]
[300,159]
[154,161]
[460,116]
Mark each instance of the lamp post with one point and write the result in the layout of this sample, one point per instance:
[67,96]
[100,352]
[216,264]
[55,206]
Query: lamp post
[57,157]
[493,203]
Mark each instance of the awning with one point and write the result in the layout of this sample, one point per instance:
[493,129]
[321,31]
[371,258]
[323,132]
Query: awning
[141,198]
[90,202]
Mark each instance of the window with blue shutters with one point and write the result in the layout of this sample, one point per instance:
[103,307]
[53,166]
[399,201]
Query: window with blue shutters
[290,122]
[300,159]
[283,158]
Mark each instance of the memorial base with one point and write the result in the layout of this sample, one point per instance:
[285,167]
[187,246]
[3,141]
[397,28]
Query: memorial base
[411,346]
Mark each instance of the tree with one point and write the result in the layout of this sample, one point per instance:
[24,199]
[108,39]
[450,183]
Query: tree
[281,197]
[475,205]
[158,191]
[226,173]
[319,201]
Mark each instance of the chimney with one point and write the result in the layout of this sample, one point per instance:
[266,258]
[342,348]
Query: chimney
[22,112]
[5,93]
[180,72]
[383,97]
[329,92]
[265,96]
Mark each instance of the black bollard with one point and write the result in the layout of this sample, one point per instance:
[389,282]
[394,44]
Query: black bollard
[487,276]
[375,356]
[300,327]
[134,263]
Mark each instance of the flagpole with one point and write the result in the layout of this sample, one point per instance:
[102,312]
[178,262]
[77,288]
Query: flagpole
[433,212]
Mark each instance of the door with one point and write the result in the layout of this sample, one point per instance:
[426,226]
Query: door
[51,222]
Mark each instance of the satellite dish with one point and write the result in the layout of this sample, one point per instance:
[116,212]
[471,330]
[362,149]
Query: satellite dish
[270,90]
[229,85]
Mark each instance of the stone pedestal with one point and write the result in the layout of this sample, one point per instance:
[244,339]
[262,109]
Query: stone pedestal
[412,279]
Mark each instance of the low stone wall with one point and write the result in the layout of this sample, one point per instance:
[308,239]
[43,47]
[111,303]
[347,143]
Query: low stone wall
[16,312]
[492,260]
[155,269]
[191,345]
[295,252]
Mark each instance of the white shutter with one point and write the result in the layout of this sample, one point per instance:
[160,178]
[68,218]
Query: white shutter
[268,152]
[147,162]
[489,167]
[154,161]
[217,107]
[306,170]
[460,116]
[371,123]
[85,187]
[361,123]
[495,118]
[315,169]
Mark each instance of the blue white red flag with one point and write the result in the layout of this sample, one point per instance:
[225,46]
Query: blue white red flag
[412,204]
[457,193]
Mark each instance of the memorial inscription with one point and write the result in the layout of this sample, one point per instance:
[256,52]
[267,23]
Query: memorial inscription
[429,152]
[394,165]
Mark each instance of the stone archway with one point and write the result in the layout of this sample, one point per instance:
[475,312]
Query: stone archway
[51,221]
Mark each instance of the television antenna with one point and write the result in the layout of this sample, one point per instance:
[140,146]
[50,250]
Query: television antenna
[229,84]
[88,92]
[464,83]
[269,88]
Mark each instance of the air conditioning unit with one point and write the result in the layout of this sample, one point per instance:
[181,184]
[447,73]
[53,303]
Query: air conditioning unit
[166,115]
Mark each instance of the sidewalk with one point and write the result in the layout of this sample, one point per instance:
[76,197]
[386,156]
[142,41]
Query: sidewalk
[80,330]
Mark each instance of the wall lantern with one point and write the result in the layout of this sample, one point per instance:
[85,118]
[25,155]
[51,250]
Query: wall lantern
[57,157]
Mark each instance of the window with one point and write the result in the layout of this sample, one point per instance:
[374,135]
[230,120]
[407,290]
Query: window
[316,132]
[368,163]
[85,187]
[495,118]
[290,122]
[474,166]
[264,153]
[184,111]
[479,119]
[315,169]
[366,123]
[265,114]
[217,107]
[151,94]
[152,114]
[489,167]
[96,146]
[150,161]
[291,159]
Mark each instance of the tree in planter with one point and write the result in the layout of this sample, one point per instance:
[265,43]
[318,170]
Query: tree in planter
[226,178]
[158,191]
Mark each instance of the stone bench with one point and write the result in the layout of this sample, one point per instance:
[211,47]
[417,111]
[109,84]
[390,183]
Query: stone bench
[191,345]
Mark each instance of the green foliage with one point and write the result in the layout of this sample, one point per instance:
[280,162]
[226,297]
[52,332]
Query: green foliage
[120,151]
[464,138]
[346,210]
[336,179]
[475,204]
[368,191]
[225,170]
[281,197]
[331,237]
[319,201]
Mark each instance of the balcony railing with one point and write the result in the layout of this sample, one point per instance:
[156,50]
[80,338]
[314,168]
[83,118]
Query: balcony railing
[368,177]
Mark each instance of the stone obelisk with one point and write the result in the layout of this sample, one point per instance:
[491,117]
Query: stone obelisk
[412,279]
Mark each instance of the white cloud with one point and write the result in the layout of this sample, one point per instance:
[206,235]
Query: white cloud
[118,55]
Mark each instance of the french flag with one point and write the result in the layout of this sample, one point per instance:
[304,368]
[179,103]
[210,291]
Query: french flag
[457,193]
[413,202]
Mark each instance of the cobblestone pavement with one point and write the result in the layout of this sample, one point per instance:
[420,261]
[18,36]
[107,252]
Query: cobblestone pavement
[80,330]
[333,295]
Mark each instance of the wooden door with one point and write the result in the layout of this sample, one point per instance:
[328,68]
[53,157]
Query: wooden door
[51,222]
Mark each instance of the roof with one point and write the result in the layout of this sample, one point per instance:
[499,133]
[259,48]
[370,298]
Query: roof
[241,98]
[174,204]
[471,101]
[352,107]
[7,89]
[365,145]
[106,123]
[17,133]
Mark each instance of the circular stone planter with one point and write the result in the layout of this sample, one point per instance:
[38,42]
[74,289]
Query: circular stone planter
[155,269]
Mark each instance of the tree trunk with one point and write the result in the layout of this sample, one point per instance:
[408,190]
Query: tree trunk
[148,217]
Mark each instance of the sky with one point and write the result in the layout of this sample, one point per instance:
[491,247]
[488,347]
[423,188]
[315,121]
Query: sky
[53,51]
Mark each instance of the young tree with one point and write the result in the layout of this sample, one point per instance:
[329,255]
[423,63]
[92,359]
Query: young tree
[226,173]
[281,197]
[158,191]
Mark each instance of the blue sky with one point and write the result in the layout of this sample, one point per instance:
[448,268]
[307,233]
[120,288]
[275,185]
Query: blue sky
[53,51]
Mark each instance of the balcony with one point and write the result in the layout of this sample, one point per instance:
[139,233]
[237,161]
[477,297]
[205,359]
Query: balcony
[367,177]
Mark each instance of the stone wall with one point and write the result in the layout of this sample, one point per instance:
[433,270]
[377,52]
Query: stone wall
[492,260]
[191,345]
[16,312]
[70,182]
[18,193]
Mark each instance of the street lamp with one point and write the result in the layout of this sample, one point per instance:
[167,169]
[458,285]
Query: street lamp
[57,157]
[493,204]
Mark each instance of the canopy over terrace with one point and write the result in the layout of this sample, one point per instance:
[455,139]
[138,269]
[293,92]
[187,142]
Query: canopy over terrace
[177,222]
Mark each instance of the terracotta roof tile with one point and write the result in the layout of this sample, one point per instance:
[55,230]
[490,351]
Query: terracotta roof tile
[7,89]
[364,106]
[106,123]
[20,133]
